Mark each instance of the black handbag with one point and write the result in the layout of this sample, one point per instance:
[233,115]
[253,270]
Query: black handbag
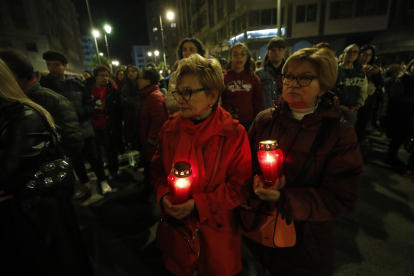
[51,174]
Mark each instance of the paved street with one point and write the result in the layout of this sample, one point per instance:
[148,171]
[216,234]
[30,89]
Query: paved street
[376,239]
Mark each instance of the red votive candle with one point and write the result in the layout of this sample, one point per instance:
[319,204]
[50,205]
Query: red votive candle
[271,161]
[179,182]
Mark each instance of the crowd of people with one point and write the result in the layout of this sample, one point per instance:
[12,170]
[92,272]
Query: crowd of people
[212,113]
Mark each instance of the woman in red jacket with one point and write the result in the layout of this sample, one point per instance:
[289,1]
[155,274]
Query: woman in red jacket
[242,97]
[330,188]
[194,136]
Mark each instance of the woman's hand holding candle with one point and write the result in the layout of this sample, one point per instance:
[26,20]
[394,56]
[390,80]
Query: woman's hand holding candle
[268,193]
[178,211]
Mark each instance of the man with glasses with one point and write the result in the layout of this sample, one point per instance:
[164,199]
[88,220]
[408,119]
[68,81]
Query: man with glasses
[271,70]
[75,92]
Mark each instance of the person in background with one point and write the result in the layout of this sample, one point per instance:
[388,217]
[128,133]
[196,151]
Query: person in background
[59,107]
[387,105]
[194,135]
[356,84]
[75,92]
[152,65]
[375,83]
[242,96]
[187,47]
[37,75]
[401,127]
[39,232]
[119,79]
[253,65]
[152,116]
[131,100]
[107,117]
[86,74]
[270,71]
[330,189]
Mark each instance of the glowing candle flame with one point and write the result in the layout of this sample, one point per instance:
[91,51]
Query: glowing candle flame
[182,183]
[269,158]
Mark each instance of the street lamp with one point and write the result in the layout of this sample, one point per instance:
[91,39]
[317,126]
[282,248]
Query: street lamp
[108,30]
[90,20]
[115,63]
[101,54]
[95,35]
[170,16]
[156,54]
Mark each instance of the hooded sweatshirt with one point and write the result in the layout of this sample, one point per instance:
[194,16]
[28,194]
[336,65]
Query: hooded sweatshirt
[244,93]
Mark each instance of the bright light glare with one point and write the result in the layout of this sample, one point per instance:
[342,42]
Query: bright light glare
[116,63]
[108,29]
[96,33]
[101,54]
[170,15]
[269,158]
[160,71]
[149,54]
[156,53]
[182,183]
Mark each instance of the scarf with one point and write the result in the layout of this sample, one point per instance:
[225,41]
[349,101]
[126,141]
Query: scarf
[193,138]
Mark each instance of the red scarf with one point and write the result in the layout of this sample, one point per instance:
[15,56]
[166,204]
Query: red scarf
[193,138]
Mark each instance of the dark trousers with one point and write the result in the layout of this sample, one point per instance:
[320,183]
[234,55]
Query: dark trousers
[364,116]
[103,139]
[90,153]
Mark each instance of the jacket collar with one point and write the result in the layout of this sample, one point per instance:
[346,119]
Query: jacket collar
[148,90]
[31,85]
[328,108]
[228,128]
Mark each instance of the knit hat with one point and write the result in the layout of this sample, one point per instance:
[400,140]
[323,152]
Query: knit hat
[276,42]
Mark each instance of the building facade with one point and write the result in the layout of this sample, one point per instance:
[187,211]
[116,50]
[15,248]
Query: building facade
[221,23]
[89,49]
[139,55]
[33,27]
[155,9]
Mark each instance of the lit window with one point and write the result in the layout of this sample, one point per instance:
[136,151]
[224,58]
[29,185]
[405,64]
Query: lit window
[155,29]
[173,25]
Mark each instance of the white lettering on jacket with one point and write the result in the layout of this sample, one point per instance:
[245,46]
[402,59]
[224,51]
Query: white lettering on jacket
[238,85]
[354,81]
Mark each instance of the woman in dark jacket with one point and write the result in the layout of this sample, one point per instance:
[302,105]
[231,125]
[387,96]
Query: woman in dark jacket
[39,234]
[330,188]
[131,99]
[402,113]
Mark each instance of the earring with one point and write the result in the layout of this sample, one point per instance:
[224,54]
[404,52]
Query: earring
[210,105]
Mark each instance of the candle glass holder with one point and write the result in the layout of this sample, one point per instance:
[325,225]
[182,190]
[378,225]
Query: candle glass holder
[179,182]
[271,161]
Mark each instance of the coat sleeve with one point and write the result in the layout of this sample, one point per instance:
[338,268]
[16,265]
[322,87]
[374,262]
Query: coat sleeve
[236,189]
[398,92]
[24,142]
[158,175]
[86,110]
[257,97]
[158,113]
[171,103]
[338,190]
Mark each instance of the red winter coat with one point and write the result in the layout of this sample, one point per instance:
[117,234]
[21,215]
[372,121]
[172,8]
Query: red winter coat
[152,117]
[330,189]
[244,93]
[220,242]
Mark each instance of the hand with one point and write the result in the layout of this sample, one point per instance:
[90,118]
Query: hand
[367,69]
[353,109]
[178,211]
[3,198]
[346,110]
[268,193]
[153,142]
[375,69]
[245,206]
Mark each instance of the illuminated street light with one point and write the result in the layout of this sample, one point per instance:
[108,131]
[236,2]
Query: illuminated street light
[157,53]
[115,63]
[108,29]
[170,15]
[101,54]
[149,54]
[96,33]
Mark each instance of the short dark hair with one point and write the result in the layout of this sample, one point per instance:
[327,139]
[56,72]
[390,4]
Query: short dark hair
[152,64]
[18,63]
[369,47]
[151,74]
[100,68]
[55,55]
[276,42]
[199,45]
[87,71]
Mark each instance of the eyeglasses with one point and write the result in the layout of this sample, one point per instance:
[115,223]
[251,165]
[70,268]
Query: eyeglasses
[366,55]
[302,80]
[104,76]
[186,93]
[242,54]
[352,52]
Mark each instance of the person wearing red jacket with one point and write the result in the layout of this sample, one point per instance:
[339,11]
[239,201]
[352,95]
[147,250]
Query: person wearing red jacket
[242,96]
[194,136]
[330,188]
[152,114]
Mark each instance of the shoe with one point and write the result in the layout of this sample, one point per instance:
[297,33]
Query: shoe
[105,187]
[80,191]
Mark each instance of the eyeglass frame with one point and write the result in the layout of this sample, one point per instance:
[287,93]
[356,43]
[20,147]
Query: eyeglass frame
[297,81]
[352,52]
[191,93]
[105,76]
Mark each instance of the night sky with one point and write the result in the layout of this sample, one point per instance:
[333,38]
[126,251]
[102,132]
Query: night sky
[127,19]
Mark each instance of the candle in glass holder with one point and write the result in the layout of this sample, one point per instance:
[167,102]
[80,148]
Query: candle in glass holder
[179,182]
[271,161]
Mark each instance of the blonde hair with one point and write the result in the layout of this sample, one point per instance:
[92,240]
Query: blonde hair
[324,61]
[208,72]
[11,92]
